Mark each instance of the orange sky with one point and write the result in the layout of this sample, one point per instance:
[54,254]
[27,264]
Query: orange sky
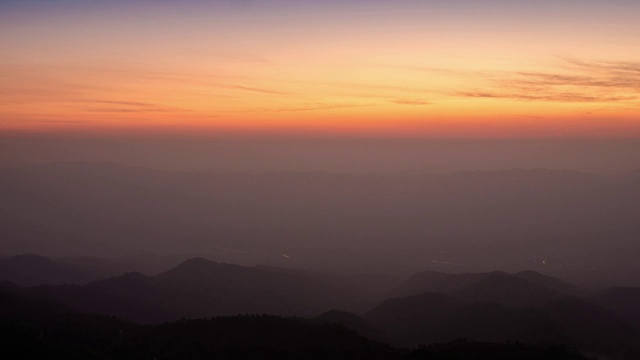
[531,69]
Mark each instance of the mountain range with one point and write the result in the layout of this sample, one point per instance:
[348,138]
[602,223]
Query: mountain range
[427,308]
[39,328]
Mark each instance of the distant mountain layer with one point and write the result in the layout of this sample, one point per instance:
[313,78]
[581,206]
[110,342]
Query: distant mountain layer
[623,301]
[30,269]
[559,221]
[526,288]
[201,288]
[434,318]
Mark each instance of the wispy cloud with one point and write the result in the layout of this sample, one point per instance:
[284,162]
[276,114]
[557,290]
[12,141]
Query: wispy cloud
[123,106]
[126,103]
[259,90]
[614,66]
[568,97]
[411,102]
[574,81]
[211,81]
[538,79]
[578,81]
[120,110]
[317,107]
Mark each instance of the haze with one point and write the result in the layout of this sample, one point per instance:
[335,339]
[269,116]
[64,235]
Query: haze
[374,179]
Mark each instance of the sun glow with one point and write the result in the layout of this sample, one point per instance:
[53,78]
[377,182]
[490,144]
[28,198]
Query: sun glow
[419,68]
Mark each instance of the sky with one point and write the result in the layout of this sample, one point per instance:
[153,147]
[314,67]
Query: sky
[406,68]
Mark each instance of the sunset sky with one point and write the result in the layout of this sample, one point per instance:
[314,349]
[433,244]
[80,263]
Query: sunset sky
[457,68]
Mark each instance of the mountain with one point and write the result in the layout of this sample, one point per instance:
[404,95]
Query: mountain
[507,290]
[351,321]
[37,328]
[223,289]
[16,303]
[496,307]
[415,320]
[29,270]
[549,282]
[432,281]
[463,349]
[623,301]
[525,288]
[91,300]
[431,318]
[202,288]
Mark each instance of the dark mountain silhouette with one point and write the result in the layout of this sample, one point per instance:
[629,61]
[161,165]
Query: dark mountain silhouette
[16,303]
[199,288]
[431,281]
[32,327]
[351,321]
[130,285]
[463,349]
[415,320]
[623,301]
[430,317]
[222,289]
[550,282]
[526,288]
[87,299]
[45,330]
[100,267]
[362,290]
[489,307]
[29,270]
[508,290]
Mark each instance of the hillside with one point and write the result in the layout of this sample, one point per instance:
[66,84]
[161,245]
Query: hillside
[39,328]
[202,288]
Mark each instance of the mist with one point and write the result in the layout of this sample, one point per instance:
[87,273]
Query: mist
[343,154]
[346,205]
[386,243]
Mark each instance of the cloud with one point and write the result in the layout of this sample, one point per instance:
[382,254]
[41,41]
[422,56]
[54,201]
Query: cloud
[126,103]
[229,82]
[316,107]
[568,97]
[538,79]
[46,121]
[118,110]
[578,81]
[259,90]
[432,69]
[119,106]
[574,81]
[305,107]
[612,66]
[411,102]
